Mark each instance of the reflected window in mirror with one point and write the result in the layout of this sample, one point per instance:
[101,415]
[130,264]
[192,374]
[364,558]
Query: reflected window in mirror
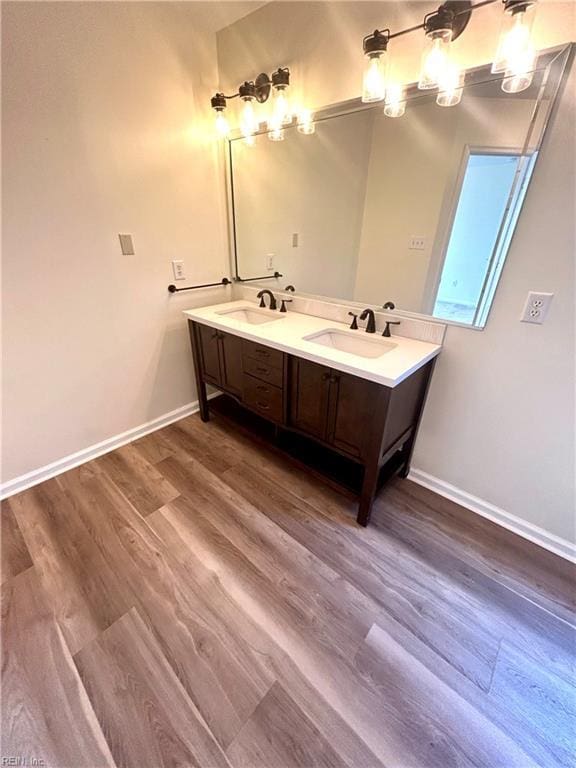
[489,200]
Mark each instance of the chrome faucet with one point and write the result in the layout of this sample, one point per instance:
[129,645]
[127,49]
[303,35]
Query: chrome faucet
[371,324]
[266,292]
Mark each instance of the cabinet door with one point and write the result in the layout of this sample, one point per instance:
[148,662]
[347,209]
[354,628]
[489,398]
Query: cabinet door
[231,363]
[309,396]
[209,352]
[350,412]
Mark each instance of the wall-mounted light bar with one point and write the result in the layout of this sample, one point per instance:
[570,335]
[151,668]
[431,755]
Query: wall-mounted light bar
[258,91]
[515,56]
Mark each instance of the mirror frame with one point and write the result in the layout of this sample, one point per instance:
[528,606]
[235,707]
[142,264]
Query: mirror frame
[554,60]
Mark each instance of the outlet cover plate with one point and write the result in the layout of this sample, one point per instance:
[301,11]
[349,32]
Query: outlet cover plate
[178,270]
[536,307]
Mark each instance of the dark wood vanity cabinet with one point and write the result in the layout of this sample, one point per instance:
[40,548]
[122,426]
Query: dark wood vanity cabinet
[220,358]
[371,424]
[332,406]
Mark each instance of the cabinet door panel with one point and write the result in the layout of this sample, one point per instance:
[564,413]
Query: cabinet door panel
[231,363]
[309,396]
[208,338]
[350,412]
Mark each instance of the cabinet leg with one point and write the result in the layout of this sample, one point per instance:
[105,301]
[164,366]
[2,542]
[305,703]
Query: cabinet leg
[408,450]
[203,401]
[200,385]
[367,494]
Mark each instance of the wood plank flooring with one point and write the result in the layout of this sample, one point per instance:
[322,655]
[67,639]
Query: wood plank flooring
[198,599]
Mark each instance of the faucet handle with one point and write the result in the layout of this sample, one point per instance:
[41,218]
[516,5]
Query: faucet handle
[283,305]
[386,331]
[354,324]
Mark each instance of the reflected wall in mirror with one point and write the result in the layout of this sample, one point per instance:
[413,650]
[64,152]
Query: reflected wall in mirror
[419,210]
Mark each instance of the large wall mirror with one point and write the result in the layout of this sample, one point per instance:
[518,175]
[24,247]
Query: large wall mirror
[419,210]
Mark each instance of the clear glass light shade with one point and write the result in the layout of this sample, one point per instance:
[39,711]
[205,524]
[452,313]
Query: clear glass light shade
[306,122]
[435,58]
[395,104]
[515,39]
[520,77]
[374,81]
[222,126]
[281,112]
[248,120]
[451,86]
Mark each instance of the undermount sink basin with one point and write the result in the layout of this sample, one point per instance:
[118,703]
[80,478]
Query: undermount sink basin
[251,316]
[352,342]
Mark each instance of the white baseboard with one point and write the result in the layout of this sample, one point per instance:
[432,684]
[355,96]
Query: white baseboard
[550,541]
[22,482]
[515,524]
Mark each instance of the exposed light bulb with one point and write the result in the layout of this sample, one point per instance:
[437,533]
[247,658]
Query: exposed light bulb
[248,121]
[222,126]
[451,86]
[374,81]
[435,58]
[515,41]
[395,104]
[306,122]
[281,113]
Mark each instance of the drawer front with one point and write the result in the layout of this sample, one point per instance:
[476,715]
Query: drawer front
[263,370]
[264,398]
[272,357]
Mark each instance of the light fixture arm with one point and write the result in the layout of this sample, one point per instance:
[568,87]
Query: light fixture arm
[465,10]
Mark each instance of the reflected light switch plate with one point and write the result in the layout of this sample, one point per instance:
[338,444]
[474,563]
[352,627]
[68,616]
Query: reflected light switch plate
[126,245]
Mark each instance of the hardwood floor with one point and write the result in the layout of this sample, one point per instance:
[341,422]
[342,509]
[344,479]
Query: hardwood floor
[198,599]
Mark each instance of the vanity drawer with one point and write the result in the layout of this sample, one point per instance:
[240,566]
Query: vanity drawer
[272,357]
[263,398]
[263,370]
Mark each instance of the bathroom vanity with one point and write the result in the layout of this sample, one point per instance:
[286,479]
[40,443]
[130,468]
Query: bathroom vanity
[357,394]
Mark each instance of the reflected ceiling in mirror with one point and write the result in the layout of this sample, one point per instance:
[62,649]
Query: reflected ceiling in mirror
[419,210]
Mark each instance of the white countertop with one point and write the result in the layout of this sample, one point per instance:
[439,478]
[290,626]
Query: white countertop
[287,335]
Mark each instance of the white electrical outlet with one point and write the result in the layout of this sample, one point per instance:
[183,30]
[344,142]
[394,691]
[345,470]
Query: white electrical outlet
[417,243]
[178,269]
[270,260]
[536,307]
[295,240]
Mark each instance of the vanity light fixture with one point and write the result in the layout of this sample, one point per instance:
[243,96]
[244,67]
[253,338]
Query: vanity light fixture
[248,120]
[441,27]
[281,114]
[515,57]
[258,91]
[374,80]
[218,103]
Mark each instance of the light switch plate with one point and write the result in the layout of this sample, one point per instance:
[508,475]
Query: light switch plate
[126,245]
[536,307]
[178,270]
[270,261]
